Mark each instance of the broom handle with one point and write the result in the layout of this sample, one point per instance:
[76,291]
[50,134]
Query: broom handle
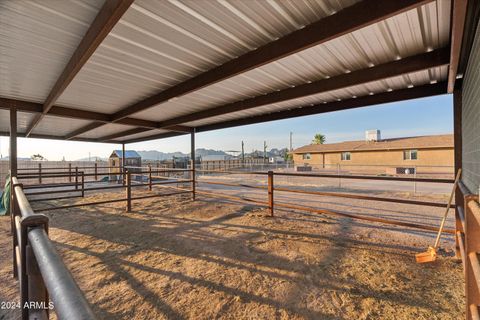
[457,178]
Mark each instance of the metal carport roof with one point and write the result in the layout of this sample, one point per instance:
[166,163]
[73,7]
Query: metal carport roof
[122,71]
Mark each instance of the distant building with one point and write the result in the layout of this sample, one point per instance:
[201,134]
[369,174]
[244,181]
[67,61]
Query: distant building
[216,157]
[399,154]
[276,159]
[132,159]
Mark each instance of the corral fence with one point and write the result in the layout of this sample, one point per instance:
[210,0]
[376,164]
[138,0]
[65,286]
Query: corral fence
[467,226]
[166,182]
[39,268]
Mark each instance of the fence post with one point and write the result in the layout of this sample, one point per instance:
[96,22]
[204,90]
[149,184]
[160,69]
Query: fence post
[69,172]
[192,166]
[472,246]
[415,182]
[31,284]
[76,178]
[39,173]
[83,184]
[270,192]
[129,190]
[149,177]
[96,172]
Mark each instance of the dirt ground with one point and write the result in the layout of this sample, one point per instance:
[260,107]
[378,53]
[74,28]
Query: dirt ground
[172,258]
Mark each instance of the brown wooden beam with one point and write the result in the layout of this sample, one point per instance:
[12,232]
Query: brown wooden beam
[410,64]
[459,11]
[352,18]
[107,17]
[387,97]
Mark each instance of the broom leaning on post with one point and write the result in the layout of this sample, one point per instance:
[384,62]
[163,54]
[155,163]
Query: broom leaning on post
[431,254]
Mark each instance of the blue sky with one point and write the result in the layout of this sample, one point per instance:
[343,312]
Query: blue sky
[408,118]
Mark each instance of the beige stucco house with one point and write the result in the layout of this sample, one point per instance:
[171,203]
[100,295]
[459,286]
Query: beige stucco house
[423,151]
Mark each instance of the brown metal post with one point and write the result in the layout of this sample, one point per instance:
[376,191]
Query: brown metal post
[472,246]
[83,184]
[13,172]
[149,177]
[129,191]
[457,136]
[192,154]
[123,163]
[96,171]
[270,192]
[32,287]
[69,172]
[76,178]
[39,173]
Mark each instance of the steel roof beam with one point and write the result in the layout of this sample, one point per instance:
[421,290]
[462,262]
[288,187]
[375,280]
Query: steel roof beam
[107,17]
[459,12]
[352,18]
[419,62]
[427,90]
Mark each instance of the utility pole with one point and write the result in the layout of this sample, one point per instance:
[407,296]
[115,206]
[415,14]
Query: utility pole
[243,152]
[291,134]
[264,151]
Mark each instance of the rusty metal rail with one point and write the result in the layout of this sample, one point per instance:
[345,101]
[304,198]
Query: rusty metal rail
[40,268]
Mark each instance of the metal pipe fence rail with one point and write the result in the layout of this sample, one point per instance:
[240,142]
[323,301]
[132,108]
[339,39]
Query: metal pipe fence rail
[271,189]
[78,188]
[39,268]
[467,231]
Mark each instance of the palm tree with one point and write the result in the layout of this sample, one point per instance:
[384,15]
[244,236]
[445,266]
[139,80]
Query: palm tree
[318,139]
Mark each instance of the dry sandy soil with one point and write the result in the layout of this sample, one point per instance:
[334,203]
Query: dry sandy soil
[176,259]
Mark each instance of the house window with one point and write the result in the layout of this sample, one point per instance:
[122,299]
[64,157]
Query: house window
[307,156]
[410,155]
[346,156]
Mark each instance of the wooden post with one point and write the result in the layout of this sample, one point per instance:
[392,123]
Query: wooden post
[270,192]
[149,177]
[69,172]
[192,163]
[457,141]
[76,178]
[39,173]
[129,191]
[96,172]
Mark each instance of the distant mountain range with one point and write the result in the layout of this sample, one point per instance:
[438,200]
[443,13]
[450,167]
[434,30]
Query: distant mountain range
[201,152]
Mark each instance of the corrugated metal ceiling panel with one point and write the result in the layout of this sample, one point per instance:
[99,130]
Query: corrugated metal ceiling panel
[57,126]
[390,84]
[403,35]
[37,38]
[105,130]
[23,119]
[157,44]
[141,135]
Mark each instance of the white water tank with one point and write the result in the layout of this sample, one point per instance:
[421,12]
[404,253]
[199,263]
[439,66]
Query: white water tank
[372,135]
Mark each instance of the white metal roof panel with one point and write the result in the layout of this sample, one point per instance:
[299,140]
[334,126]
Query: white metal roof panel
[23,120]
[141,135]
[432,75]
[57,126]
[158,44]
[403,35]
[37,38]
[105,130]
